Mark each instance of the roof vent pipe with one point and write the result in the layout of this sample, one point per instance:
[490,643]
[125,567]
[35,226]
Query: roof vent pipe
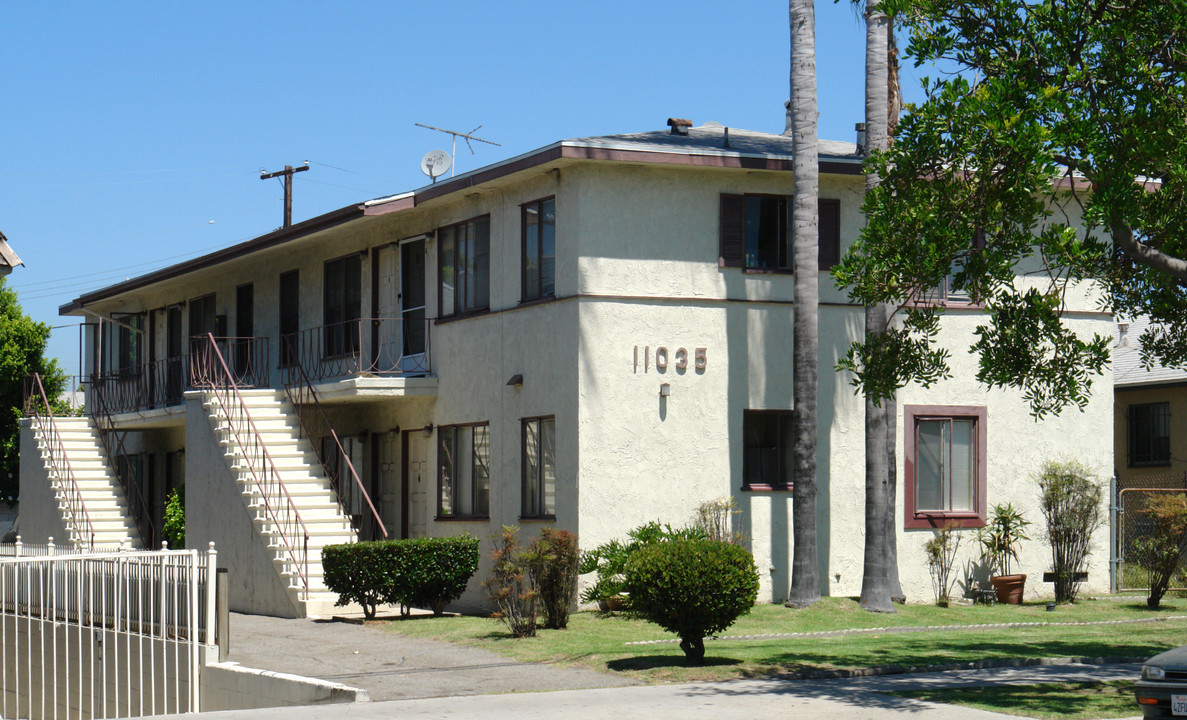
[727,137]
[679,126]
[861,138]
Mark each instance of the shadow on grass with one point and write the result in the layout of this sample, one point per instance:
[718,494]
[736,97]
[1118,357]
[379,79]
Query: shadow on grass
[652,662]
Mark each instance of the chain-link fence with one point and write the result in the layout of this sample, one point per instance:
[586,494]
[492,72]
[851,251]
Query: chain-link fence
[1133,524]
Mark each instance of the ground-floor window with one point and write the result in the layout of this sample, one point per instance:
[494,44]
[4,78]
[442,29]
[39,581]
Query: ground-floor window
[768,442]
[463,470]
[945,464]
[539,467]
[1149,434]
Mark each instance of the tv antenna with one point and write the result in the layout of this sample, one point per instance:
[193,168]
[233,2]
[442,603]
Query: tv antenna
[466,136]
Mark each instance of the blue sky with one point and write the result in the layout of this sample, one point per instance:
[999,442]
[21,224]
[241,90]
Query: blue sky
[134,132]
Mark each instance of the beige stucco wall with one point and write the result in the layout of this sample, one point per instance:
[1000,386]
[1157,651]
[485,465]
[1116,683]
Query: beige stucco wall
[636,269]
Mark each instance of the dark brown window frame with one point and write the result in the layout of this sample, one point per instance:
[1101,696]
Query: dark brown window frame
[523,460]
[732,233]
[523,251]
[782,415]
[1160,457]
[920,519]
[346,341]
[441,515]
[458,310]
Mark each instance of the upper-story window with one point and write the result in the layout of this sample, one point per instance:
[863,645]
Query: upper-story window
[945,293]
[755,232]
[342,303]
[130,334]
[464,262]
[539,249]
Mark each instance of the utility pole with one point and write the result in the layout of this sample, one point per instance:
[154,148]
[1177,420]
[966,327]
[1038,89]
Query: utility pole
[288,172]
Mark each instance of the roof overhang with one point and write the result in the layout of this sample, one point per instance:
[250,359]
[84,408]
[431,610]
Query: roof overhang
[575,150]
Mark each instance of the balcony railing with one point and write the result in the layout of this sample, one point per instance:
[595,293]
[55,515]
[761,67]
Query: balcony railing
[368,346]
[245,359]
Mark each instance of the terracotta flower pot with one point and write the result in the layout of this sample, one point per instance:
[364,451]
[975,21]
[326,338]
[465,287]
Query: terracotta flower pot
[1009,588]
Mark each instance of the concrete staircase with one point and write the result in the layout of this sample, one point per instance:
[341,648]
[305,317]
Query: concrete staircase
[307,485]
[98,487]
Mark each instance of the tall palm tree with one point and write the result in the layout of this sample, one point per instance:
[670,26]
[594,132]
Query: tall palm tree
[875,580]
[805,582]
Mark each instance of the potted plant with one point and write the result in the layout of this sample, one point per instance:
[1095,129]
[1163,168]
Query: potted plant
[999,546]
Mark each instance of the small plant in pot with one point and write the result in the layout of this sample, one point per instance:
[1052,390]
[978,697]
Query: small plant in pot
[999,546]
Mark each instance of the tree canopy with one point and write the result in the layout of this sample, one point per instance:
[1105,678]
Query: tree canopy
[22,352]
[1053,154]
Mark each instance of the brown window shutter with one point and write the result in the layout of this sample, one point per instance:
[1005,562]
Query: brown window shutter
[830,232]
[732,246]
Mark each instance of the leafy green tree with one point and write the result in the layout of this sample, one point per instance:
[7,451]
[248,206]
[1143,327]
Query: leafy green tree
[22,352]
[1056,151]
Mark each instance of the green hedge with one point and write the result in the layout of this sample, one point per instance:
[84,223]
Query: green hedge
[419,572]
[692,588]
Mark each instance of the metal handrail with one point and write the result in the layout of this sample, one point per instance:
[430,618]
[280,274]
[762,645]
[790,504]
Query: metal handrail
[300,388]
[59,460]
[113,445]
[255,452]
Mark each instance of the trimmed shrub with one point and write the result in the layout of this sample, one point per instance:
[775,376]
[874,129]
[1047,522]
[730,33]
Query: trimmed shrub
[511,586]
[609,560]
[1070,498]
[692,588]
[554,572]
[418,572]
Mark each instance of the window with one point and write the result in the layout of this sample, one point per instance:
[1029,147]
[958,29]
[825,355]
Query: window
[539,467]
[130,332]
[1149,434]
[342,303]
[464,259]
[945,293]
[754,232]
[768,442]
[463,471]
[245,327]
[945,465]
[539,249]
[290,317]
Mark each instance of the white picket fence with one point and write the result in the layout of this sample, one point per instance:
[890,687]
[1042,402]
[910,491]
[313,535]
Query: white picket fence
[106,634]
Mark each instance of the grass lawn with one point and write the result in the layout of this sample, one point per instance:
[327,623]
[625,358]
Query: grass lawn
[599,641]
[1073,701]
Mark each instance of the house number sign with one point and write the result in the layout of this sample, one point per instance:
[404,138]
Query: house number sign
[660,358]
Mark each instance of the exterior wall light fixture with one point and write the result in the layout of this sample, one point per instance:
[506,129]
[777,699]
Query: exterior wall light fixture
[428,430]
[665,389]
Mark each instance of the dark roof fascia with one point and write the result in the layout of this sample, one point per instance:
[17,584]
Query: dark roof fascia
[383,206]
[329,220]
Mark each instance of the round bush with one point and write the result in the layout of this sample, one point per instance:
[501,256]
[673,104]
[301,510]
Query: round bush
[692,588]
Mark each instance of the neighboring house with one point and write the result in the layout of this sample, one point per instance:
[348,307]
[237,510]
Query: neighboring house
[590,336]
[8,257]
[1150,430]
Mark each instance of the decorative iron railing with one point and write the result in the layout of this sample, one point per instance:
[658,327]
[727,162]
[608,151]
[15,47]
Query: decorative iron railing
[213,375]
[38,408]
[353,498]
[368,346]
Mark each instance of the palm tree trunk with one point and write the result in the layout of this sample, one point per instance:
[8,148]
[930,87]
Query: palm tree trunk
[805,573]
[875,581]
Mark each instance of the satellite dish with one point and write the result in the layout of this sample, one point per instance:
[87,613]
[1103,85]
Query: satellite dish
[435,163]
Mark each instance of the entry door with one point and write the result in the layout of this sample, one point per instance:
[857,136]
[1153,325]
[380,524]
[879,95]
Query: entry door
[389,483]
[417,479]
[412,303]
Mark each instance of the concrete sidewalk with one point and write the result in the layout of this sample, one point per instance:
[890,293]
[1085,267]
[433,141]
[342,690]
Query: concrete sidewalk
[847,699]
